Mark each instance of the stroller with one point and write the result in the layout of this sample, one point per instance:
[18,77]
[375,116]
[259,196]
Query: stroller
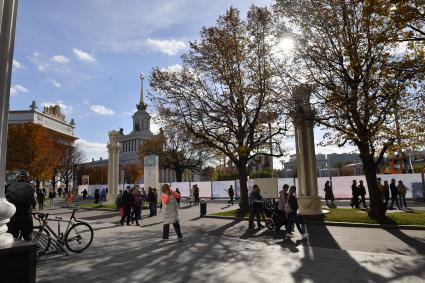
[276,219]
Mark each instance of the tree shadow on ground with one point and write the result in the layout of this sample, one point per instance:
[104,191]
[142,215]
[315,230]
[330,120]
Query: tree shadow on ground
[140,256]
[322,250]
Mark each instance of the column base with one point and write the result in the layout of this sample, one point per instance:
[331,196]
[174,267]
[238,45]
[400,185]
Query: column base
[310,205]
[6,211]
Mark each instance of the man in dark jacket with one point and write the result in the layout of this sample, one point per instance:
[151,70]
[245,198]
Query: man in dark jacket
[126,203]
[355,194]
[362,192]
[255,206]
[152,202]
[231,193]
[21,194]
[394,195]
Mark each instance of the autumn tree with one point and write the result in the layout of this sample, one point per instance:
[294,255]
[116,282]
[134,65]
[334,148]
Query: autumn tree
[98,175]
[224,94]
[70,158]
[347,54]
[176,151]
[133,172]
[29,147]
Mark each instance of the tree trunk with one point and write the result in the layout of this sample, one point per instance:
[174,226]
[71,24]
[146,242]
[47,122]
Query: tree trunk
[377,206]
[179,175]
[243,180]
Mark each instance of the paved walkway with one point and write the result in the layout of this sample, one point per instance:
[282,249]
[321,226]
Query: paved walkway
[218,250]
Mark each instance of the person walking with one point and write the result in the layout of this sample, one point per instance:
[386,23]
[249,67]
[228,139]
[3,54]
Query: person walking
[21,194]
[402,190]
[118,204]
[52,197]
[386,193]
[96,196]
[178,200]
[103,195]
[151,200]
[362,193]
[355,195]
[255,203]
[127,203]
[192,195]
[292,214]
[84,193]
[329,195]
[196,194]
[40,199]
[60,192]
[231,193]
[137,207]
[171,214]
[283,197]
[394,195]
[155,202]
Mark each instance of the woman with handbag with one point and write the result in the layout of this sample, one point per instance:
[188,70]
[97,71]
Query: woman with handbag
[170,213]
[292,213]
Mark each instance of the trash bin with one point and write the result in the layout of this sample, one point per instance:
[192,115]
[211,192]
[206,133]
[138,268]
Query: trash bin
[203,207]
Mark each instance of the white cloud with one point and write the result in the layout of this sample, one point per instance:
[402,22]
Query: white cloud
[17,65]
[83,56]
[66,109]
[59,59]
[14,90]
[102,110]
[92,149]
[174,68]
[55,83]
[43,67]
[86,102]
[169,47]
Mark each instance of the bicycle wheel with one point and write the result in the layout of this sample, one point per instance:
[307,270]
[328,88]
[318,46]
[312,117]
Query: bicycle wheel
[79,237]
[41,237]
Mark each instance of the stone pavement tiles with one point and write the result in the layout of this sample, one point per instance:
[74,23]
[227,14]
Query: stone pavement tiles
[225,251]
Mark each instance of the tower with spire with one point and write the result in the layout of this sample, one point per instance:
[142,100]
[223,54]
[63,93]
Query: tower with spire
[130,143]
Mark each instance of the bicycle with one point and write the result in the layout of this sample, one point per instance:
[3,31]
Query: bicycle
[77,236]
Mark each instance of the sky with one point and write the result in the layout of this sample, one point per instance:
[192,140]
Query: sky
[87,57]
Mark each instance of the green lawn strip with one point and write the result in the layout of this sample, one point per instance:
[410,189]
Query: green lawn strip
[354,216]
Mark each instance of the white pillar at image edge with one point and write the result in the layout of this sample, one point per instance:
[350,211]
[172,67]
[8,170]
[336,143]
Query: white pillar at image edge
[8,11]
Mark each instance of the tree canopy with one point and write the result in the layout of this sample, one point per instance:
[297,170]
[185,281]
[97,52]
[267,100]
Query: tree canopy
[225,93]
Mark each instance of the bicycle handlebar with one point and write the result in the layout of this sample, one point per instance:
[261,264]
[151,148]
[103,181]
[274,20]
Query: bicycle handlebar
[40,216]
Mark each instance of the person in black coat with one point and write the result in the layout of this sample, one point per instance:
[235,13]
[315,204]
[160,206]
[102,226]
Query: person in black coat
[255,206]
[292,214]
[362,193]
[152,202]
[231,193]
[127,203]
[355,194]
[394,195]
[21,194]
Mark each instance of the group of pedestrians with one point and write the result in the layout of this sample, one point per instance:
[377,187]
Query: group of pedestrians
[41,194]
[194,195]
[287,207]
[398,193]
[130,203]
[358,194]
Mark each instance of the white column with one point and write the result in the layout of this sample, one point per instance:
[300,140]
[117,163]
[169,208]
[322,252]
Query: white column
[303,119]
[8,10]
[113,166]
